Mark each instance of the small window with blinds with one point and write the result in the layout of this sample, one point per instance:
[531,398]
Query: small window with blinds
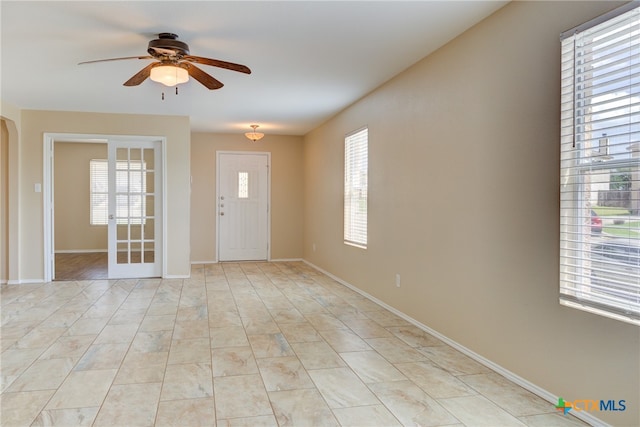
[356,161]
[130,178]
[600,166]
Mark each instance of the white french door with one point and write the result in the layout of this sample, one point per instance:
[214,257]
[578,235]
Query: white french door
[135,209]
[242,206]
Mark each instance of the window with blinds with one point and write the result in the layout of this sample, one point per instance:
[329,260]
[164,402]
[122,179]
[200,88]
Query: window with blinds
[356,161]
[600,166]
[130,177]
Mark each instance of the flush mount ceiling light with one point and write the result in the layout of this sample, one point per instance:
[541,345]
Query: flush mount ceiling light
[254,136]
[169,75]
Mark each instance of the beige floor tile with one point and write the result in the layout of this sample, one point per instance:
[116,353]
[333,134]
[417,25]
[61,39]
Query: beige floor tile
[343,340]
[552,420]
[222,316]
[261,421]
[131,316]
[286,315]
[270,345]
[188,412]
[479,411]
[367,328]
[152,342]
[233,361]
[72,347]
[341,388]
[20,409]
[509,396]
[414,336]
[371,367]
[230,336]
[317,355]
[189,381]
[375,415]
[77,417]
[102,356]
[241,396]
[44,374]
[411,405]
[88,326]
[130,405]
[158,323]
[15,362]
[299,332]
[434,380]
[453,361]
[83,389]
[112,334]
[301,408]
[38,338]
[253,341]
[259,326]
[384,317]
[395,350]
[198,312]
[142,368]
[190,351]
[284,373]
[188,329]
[162,309]
[325,321]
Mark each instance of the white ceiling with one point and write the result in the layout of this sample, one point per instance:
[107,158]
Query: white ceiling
[309,59]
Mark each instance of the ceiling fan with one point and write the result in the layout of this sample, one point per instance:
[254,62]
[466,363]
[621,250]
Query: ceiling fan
[174,64]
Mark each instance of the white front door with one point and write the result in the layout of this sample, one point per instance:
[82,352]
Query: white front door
[135,209]
[242,206]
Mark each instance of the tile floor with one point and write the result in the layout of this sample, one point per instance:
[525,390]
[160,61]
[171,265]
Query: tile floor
[244,344]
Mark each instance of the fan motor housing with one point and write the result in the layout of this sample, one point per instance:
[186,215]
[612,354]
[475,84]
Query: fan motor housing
[167,44]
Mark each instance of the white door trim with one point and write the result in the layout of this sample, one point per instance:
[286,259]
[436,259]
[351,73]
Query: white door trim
[48,196]
[217,197]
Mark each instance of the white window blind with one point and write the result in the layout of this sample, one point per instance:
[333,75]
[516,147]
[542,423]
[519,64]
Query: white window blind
[130,178]
[600,166]
[356,160]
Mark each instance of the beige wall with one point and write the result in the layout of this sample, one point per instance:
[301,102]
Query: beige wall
[463,203]
[73,231]
[4,202]
[11,116]
[286,191]
[176,130]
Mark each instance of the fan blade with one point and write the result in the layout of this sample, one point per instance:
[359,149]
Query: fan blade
[141,75]
[201,76]
[115,59]
[217,63]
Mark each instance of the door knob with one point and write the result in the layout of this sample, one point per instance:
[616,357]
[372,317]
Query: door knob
[110,216]
[221,213]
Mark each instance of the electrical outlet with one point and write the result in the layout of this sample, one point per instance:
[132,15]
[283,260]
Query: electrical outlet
[397,280]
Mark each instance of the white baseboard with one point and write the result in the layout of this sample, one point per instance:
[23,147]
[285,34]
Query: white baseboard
[81,251]
[527,385]
[204,262]
[286,260]
[25,282]
[176,276]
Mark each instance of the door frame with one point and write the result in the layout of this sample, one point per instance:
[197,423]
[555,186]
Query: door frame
[217,197]
[48,196]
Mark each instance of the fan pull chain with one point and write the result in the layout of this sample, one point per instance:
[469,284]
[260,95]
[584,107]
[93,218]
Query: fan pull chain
[163,93]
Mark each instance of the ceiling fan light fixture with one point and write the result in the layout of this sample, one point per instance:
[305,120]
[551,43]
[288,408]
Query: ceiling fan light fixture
[169,75]
[254,136]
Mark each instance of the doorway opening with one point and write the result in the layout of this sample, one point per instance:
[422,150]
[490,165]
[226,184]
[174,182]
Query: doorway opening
[103,201]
